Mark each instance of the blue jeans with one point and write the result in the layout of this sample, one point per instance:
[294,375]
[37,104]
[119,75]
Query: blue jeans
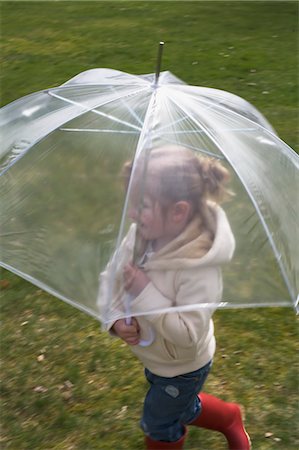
[170,403]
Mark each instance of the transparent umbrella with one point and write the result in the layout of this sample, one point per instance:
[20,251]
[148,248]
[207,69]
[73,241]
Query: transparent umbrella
[64,208]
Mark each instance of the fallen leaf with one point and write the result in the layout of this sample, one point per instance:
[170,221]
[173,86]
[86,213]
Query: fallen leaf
[40,389]
[67,395]
[268,435]
[122,412]
[40,358]
[4,284]
[68,384]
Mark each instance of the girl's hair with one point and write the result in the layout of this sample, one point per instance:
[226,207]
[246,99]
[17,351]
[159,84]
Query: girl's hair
[171,173]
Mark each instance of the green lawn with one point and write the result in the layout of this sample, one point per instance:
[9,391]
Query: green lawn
[65,384]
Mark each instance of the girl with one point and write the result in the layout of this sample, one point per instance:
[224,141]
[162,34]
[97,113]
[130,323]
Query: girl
[182,237]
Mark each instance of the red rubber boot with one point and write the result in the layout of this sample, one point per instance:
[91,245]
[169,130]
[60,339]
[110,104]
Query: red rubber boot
[223,417]
[161,445]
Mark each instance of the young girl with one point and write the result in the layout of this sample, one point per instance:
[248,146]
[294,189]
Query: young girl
[182,238]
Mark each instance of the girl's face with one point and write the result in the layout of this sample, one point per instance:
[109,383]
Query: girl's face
[148,216]
[155,223]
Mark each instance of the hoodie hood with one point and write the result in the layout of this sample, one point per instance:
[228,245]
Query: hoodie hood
[194,247]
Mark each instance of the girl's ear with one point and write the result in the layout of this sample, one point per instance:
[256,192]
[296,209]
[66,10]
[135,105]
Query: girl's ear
[181,211]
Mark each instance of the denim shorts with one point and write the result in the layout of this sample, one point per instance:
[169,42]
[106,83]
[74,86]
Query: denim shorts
[171,403]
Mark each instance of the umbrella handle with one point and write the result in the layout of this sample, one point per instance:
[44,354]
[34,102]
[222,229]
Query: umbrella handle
[149,332]
[150,338]
[150,335]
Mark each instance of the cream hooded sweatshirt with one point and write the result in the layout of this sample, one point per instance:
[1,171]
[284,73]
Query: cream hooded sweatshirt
[184,274]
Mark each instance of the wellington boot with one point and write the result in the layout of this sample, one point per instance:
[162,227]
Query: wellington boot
[223,417]
[162,445]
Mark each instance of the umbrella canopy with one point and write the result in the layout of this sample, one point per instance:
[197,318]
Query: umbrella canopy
[64,209]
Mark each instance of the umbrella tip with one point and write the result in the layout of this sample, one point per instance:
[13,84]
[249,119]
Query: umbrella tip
[159,60]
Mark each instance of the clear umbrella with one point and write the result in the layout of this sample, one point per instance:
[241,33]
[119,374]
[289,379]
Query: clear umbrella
[64,208]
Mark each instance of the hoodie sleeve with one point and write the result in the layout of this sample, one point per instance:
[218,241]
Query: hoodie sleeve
[198,292]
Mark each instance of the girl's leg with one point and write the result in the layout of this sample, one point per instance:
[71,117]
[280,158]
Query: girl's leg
[169,404]
[223,417]
[161,445]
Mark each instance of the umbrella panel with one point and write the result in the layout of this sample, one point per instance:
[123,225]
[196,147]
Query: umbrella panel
[60,209]
[252,278]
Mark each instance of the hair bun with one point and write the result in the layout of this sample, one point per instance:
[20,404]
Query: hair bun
[215,176]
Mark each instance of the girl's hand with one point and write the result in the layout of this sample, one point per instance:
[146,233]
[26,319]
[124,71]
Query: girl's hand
[135,280]
[128,333]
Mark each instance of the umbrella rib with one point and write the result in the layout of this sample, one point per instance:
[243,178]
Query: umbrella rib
[174,123]
[235,113]
[197,131]
[220,305]
[96,85]
[115,119]
[20,155]
[255,204]
[48,289]
[257,125]
[24,151]
[94,130]
[92,313]
[203,131]
[129,109]
[199,124]
[202,150]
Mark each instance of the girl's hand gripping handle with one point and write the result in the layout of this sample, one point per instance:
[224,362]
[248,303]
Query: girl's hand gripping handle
[127,331]
[147,335]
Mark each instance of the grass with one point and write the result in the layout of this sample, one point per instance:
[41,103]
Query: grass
[65,384]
